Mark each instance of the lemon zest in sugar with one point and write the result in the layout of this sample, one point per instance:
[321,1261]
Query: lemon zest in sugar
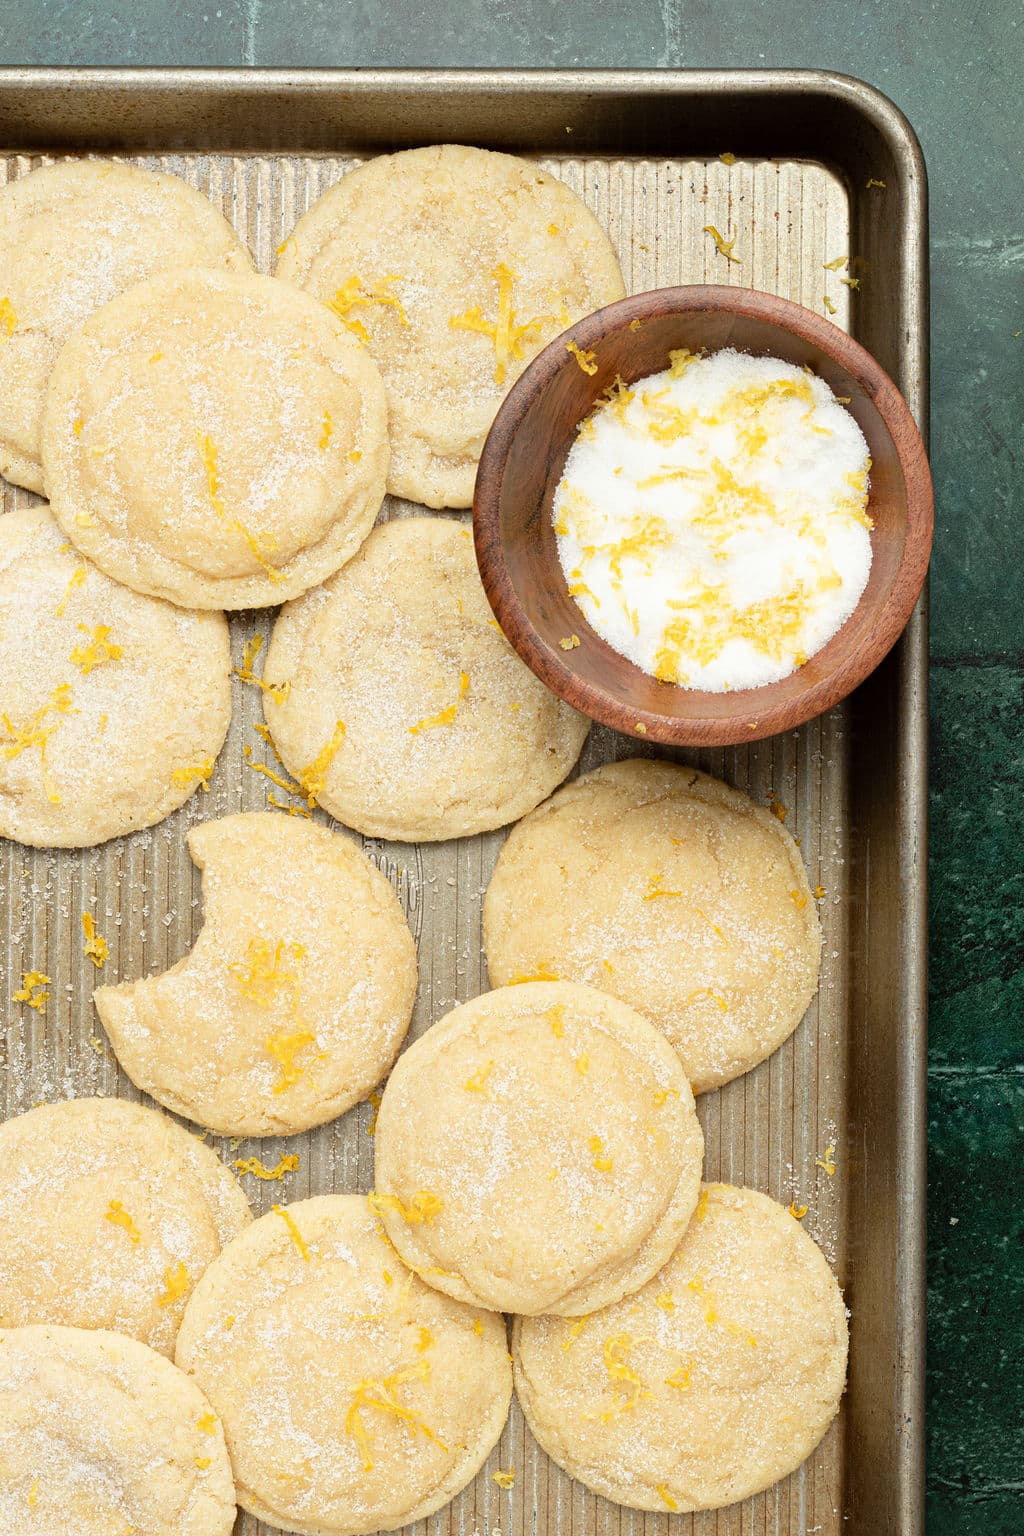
[176,1279]
[574,1330]
[32,991]
[119,1217]
[260,544]
[602,1163]
[383,1396]
[95,944]
[201,772]
[586,360]
[355,294]
[422,1208]
[445,716]
[504,332]
[278,691]
[293,1231]
[287,1163]
[313,777]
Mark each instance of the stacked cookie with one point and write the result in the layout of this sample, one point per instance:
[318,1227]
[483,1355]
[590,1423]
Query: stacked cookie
[212,440]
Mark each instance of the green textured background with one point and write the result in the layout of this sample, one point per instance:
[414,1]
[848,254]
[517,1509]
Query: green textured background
[956,70]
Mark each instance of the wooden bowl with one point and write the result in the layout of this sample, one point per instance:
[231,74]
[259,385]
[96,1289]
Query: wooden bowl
[522,464]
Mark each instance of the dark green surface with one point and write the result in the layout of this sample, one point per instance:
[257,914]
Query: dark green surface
[957,71]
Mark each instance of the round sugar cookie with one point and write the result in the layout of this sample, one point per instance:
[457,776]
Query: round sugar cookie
[109,1213]
[101,1436]
[538,1151]
[217,439]
[407,711]
[296,996]
[710,1384]
[113,706]
[671,891]
[455,266]
[72,237]
[354,1398]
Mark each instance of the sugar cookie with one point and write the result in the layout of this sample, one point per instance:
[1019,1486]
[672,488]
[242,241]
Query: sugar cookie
[218,439]
[113,706]
[354,1398]
[101,1436]
[72,237]
[296,996]
[455,266]
[671,891]
[407,712]
[538,1151]
[711,1383]
[109,1213]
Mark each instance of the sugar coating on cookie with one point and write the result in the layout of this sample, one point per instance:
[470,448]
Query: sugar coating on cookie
[354,1397]
[217,439]
[537,1150]
[455,266]
[101,1436]
[109,1214]
[710,1384]
[296,995]
[408,715]
[73,236]
[113,705]
[675,893]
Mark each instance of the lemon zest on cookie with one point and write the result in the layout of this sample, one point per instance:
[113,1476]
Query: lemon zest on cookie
[33,1493]
[207,1422]
[8,317]
[32,990]
[656,888]
[99,649]
[662,1491]
[382,1395]
[119,1217]
[627,1386]
[176,1281]
[504,1479]
[583,1065]
[666,1301]
[586,360]
[260,544]
[477,1083]
[284,1048]
[702,1206]
[95,943]
[426,1339]
[602,1163]
[716,997]
[507,336]
[293,1230]
[278,691]
[77,579]
[314,776]
[445,716]
[423,1207]
[261,975]
[574,1330]
[355,293]
[287,1163]
[542,973]
[202,772]
[664,1094]
[328,428]
[556,1018]
[202,1462]
[478,1327]
[680,1378]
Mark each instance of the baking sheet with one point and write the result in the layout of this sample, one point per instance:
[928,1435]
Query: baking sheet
[643,152]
